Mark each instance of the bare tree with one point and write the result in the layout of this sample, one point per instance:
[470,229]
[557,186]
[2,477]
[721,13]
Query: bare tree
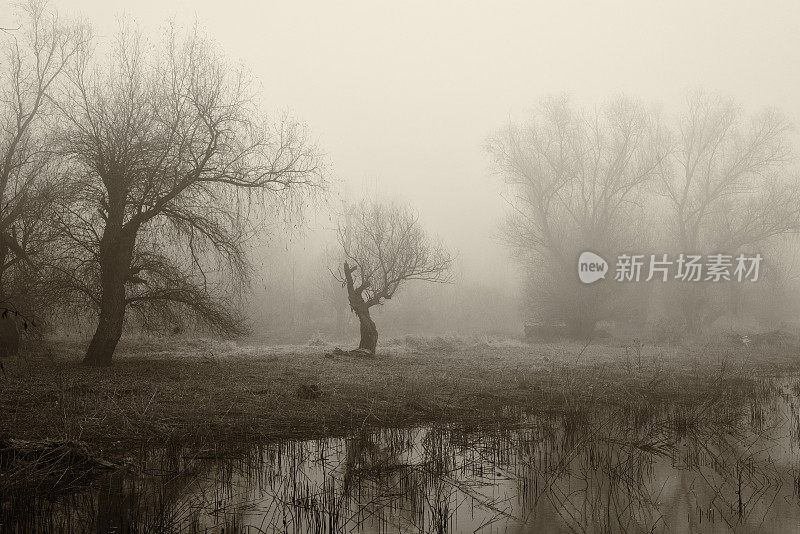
[37,54]
[729,187]
[385,247]
[168,152]
[576,183]
[728,182]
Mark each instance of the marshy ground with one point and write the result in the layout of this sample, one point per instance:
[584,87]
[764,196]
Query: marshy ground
[211,392]
[616,402]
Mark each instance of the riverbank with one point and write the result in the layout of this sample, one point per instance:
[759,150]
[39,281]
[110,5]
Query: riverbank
[203,393]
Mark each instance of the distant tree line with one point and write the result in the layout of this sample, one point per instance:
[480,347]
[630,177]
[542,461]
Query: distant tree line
[131,178]
[620,178]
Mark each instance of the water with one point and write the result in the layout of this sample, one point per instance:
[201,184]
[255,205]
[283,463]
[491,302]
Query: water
[719,466]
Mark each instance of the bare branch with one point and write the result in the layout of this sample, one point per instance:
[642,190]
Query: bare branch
[387,248]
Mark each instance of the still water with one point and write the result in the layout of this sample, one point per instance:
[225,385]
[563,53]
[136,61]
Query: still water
[713,467]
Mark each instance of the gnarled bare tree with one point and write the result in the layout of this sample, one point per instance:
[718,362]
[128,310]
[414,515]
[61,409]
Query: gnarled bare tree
[385,247]
[168,152]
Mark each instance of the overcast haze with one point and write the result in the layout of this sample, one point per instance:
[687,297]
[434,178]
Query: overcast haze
[402,96]
[547,277]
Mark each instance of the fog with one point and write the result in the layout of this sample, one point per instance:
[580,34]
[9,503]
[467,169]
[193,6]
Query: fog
[402,97]
[399,266]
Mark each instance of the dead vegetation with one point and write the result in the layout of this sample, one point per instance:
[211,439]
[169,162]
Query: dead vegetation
[196,388]
[202,393]
[48,464]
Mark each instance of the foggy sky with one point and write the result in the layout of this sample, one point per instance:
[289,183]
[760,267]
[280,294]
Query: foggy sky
[401,96]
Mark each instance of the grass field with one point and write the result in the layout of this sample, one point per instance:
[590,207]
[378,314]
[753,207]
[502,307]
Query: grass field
[207,393]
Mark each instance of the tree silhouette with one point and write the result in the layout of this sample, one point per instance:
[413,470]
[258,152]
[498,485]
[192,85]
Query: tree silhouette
[168,153]
[385,247]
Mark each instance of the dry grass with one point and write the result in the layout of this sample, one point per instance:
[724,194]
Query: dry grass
[202,392]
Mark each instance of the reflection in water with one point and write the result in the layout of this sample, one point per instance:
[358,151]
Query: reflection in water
[721,465]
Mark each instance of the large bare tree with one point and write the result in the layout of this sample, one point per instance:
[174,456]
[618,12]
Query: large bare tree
[37,51]
[385,247]
[729,187]
[168,156]
[576,182]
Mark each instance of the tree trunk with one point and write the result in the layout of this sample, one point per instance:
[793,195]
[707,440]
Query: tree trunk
[116,252]
[109,325]
[692,307]
[369,333]
[9,336]
[581,328]
[3,256]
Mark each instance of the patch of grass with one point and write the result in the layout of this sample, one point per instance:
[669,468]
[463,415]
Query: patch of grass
[202,392]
